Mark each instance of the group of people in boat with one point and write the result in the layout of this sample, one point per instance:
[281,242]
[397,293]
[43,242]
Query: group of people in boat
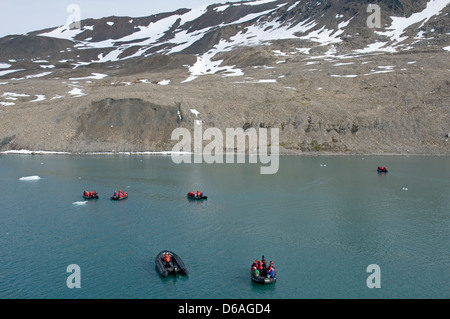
[382,169]
[260,268]
[92,194]
[197,194]
[119,195]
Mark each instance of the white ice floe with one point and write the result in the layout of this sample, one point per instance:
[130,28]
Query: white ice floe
[29,178]
[110,23]
[79,203]
[5,65]
[50,66]
[94,76]
[39,98]
[447,48]
[164,82]
[57,97]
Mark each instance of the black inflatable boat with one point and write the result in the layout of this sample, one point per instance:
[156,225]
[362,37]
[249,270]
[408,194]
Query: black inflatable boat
[263,280]
[119,198]
[194,195]
[90,196]
[173,267]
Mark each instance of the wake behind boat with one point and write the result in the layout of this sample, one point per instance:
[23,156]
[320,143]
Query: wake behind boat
[168,263]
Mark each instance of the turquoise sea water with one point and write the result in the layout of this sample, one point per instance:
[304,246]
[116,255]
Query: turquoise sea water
[322,220]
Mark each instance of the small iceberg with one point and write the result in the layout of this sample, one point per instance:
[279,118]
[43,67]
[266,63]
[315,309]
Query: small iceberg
[405,189]
[79,203]
[29,178]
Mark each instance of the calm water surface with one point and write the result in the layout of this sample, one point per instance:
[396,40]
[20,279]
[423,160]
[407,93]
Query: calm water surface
[322,220]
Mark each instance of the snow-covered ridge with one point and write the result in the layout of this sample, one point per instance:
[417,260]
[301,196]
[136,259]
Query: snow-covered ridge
[235,25]
[177,32]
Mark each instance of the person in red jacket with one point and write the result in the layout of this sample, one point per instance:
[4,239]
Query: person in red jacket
[167,258]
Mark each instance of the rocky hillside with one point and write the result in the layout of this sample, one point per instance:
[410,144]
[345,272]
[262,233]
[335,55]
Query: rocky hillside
[314,69]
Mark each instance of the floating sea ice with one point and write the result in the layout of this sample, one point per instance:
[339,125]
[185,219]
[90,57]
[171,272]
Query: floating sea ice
[79,203]
[405,189]
[29,178]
